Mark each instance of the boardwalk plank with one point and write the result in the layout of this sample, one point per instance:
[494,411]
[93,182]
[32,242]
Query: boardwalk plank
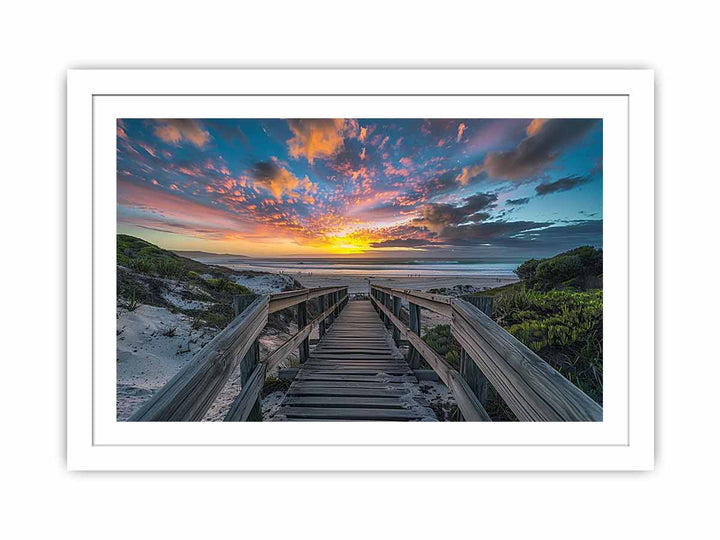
[355,372]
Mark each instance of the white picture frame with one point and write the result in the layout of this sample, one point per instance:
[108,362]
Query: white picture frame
[623,98]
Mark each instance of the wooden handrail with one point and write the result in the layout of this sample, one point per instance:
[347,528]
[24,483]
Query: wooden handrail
[286,348]
[288,299]
[191,392]
[532,388]
[243,403]
[434,302]
[468,403]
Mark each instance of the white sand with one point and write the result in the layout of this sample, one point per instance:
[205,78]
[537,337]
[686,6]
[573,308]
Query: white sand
[264,284]
[153,344]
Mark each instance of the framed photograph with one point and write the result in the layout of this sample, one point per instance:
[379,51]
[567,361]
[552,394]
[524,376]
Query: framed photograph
[367,270]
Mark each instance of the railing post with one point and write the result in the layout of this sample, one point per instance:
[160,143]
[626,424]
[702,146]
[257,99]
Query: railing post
[302,323]
[388,304]
[241,301]
[473,375]
[414,315]
[249,362]
[397,306]
[323,306]
[247,366]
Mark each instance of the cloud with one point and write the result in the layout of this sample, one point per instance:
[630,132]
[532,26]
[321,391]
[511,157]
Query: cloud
[228,129]
[538,150]
[319,138]
[560,238]
[278,180]
[564,184]
[486,233]
[437,216]
[518,202]
[469,174]
[176,130]
[535,125]
[461,130]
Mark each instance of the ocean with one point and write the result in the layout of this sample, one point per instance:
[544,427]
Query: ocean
[374,268]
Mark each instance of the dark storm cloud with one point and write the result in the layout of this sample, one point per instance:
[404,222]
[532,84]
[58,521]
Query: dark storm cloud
[564,184]
[229,130]
[485,233]
[440,214]
[527,235]
[538,150]
[518,202]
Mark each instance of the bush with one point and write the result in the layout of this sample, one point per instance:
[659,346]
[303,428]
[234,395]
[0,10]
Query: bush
[526,271]
[441,341]
[579,268]
[145,258]
[565,328]
[224,284]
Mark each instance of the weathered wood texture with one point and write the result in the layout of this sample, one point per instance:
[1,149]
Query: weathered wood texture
[434,302]
[483,303]
[533,390]
[245,406]
[396,307]
[354,373]
[414,317]
[301,323]
[469,405]
[288,299]
[282,352]
[322,304]
[188,395]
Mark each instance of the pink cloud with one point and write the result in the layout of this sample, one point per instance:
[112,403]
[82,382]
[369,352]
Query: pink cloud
[177,130]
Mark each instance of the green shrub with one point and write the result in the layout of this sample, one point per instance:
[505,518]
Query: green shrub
[579,268]
[145,258]
[441,341]
[564,327]
[224,284]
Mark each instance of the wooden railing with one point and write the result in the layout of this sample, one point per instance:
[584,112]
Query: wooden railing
[191,392]
[532,389]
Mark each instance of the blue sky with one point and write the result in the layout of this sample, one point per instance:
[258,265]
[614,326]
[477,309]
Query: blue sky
[478,188]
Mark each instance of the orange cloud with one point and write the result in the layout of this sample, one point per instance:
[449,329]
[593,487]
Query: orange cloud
[176,130]
[535,125]
[149,149]
[362,154]
[363,134]
[279,181]
[468,173]
[319,138]
[390,169]
[461,130]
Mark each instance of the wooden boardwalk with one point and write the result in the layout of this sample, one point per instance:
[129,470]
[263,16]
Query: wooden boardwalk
[355,373]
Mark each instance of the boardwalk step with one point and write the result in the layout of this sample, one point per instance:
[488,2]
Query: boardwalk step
[333,413]
[354,373]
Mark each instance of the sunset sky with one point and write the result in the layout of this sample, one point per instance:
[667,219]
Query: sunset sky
[515,188]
